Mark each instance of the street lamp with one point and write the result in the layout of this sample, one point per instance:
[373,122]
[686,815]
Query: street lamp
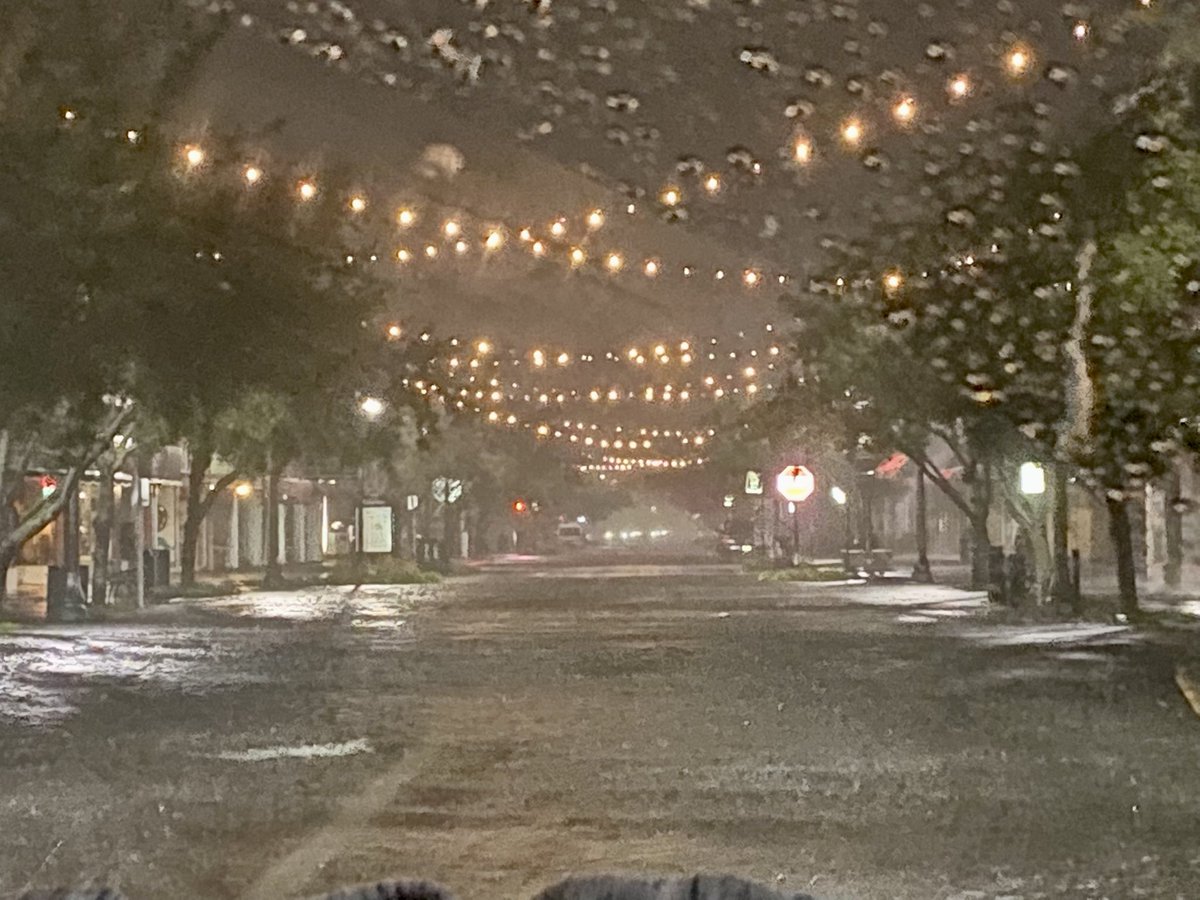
[371,408]
[1032,479]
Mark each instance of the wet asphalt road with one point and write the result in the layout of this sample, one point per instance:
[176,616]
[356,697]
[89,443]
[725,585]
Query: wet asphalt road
[499,731]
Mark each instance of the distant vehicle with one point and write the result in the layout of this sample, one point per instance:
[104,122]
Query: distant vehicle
[736,538]
[571,534]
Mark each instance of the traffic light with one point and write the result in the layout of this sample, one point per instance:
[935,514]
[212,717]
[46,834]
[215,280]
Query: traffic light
[520,507]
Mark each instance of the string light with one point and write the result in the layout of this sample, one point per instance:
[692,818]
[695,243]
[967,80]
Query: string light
[358,203]
[651,268]
[802,150]
[905,111]
[670,196]
[578,257]
[1019,60]
[431,251]
[558,228]
[395,332]
[595,219]
[306,189]
[483,348]
[451,229]
[750,278]
[405,217]
[1080,31]
[959,87]
[252,174]
[403,255]
[525,235]
[538,248]
[852,131]
[614,262]
[712,183]
[494,240]
[893,281]
[193,155]
[461,247]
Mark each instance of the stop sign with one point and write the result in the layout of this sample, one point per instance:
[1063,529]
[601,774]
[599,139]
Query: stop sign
[795,484]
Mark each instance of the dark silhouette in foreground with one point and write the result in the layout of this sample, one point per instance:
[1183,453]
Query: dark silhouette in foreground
[590,887]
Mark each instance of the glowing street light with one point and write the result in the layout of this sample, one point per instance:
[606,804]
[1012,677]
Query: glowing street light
[1032,479]
[243,489]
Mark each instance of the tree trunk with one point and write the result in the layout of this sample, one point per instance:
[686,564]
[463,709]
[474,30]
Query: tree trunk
[1061,590]
[274,574]
[1173,520]
[198,464]
[72,605]
[1122,537]
[6,561]
[102,525]
[981,542]
[921,571]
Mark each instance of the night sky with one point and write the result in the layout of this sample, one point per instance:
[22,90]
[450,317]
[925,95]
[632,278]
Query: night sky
[559,107]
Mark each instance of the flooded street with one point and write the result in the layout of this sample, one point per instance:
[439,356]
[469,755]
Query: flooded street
[500,731]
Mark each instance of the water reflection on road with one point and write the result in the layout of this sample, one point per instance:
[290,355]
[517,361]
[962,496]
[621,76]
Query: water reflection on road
[45,670]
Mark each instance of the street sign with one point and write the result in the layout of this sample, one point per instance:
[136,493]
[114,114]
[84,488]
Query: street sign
[754,483]
[447,490]
[377,529]
[411,502]
[795,484]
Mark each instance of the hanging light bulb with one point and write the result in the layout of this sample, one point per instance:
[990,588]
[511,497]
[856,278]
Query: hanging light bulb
[403,255]
[494,240]
[460,247]
[959,87]
[712,183]
[358,203]
[306,189]
[451,228]
[558,228]
[750,278]
[538,248]
[852,131]
[595,219]
[405,217]
[905,111]
[670,196]
[1018,61]
[651,268]
[194,156]
[614,262]
[578,257]
[1080,30]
